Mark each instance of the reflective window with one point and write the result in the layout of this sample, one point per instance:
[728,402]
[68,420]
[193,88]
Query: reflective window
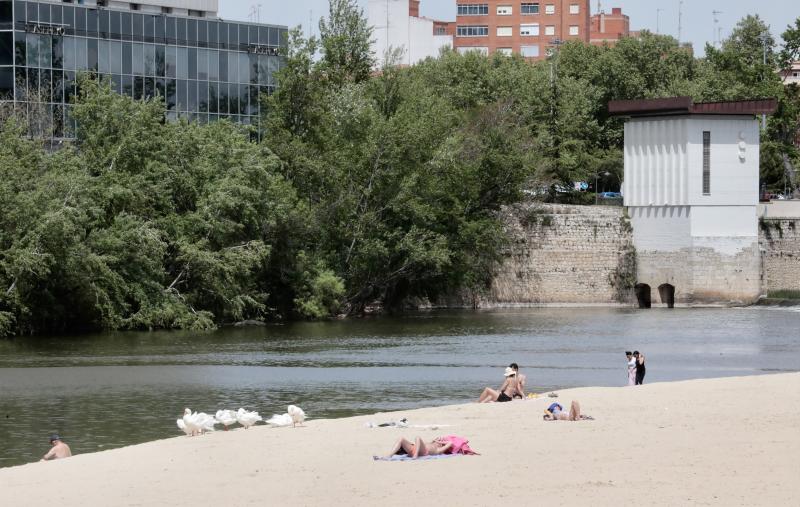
[160,61]
[115,25]
[223,65]
[160,28]
[233,67]
[149,29]
[69,53]
[58,52]
[68,16]
[91,54]
[115,57]
[202,64]
[213,65]
[103,22]
[6,10]
[127,61]
[44,13]
[192,63]
[171,30]
[6,48]
[183,63]
[56,13]
[102,56]
[137,26]
[181,31]
[149,60]
[81,53]
[171,64]
[91,22]
[6,83]
[80,21]
[138,59]
[191,31]
[33,13]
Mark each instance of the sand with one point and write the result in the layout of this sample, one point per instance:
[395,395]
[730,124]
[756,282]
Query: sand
[733,441]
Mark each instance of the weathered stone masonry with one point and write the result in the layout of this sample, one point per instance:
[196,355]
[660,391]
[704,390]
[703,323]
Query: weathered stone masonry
[779,239]
[565,254]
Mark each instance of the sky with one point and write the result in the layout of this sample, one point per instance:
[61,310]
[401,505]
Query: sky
[698,24]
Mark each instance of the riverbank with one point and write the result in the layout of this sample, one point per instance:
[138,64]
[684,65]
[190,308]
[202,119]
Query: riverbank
[726,442]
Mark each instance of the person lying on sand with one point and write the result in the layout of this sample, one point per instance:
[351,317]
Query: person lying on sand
[506,392]
[555,412]
[419,448]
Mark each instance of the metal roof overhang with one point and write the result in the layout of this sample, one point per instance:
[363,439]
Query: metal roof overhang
[685,106]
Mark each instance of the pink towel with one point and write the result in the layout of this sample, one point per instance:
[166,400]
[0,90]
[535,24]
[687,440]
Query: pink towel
[460,445]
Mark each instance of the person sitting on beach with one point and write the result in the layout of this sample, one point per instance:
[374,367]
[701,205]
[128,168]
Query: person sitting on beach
[58,450]
[520,394]
[418,448]
[506,392]
[555,412]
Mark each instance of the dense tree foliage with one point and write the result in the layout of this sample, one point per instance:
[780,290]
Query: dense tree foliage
[367,187]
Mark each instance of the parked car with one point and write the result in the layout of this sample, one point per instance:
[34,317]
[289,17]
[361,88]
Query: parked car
[610,195]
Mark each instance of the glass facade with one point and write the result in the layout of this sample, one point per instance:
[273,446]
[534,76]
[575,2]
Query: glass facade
[204,69]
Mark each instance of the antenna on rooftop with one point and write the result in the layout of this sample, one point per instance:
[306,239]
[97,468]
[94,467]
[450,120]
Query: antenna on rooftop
[680,21]
[658,20]
[717,29]
[255,13]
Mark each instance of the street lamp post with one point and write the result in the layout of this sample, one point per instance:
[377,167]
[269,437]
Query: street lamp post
[606,174]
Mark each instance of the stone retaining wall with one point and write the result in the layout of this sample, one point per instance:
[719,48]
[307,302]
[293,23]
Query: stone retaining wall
[565,254]
[779,240]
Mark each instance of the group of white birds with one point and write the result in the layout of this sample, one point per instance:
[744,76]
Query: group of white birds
[198,423]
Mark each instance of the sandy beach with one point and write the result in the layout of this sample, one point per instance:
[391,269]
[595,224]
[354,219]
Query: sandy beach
[733,441]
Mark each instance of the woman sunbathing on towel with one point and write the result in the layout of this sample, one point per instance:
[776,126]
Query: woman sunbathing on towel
[507,391]
[555,412]
[418,448]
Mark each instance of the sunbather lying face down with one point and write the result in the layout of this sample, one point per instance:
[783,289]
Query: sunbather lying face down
[555,412]
[419,448]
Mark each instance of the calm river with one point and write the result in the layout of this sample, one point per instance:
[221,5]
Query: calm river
[115,389]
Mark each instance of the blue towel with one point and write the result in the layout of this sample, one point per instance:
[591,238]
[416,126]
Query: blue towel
[406,457]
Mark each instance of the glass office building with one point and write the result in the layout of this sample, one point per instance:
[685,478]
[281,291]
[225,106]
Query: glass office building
[205,69]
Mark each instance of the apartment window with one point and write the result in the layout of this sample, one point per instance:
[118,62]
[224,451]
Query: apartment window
[505,51]
[549,9]
[574,9]
[706,163]
[135,7]
[504,31]
[504,10]
[473,9]
[472,31]
[529,51]
[473,49]
[531,30]
[529,8]
[550,30]
[573,30]
[440,30]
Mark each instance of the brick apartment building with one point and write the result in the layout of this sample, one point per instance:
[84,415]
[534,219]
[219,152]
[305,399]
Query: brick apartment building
[609,28]
[527,27]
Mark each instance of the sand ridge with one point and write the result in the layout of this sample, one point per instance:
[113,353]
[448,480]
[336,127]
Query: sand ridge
[732,441]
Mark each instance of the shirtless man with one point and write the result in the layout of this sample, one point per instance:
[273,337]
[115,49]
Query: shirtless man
[59,449]
[419,448]
[520,394]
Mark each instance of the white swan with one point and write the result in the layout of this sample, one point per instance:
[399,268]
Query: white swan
[297,415]
[281,420]
[183,428]
[225,418]
[246,418]
[190,422]
[205,422]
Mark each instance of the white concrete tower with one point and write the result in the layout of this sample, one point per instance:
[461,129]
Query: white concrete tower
[691,189]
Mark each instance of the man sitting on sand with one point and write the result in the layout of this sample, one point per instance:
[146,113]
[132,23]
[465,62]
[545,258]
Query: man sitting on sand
[419,448]
[555,412]
[59,449]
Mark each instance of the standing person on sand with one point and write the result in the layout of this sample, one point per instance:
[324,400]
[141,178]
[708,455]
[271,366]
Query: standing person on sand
[631,368]
[640,368]
[520,394]
[58,450]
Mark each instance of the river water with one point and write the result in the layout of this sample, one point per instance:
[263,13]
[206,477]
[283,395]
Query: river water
[114,389]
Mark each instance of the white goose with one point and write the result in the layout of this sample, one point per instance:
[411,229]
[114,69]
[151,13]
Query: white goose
[206,422]
[293,417]
[183,428]
[190,426]
[281,420]
[246,418]
[297,415]
[225,418]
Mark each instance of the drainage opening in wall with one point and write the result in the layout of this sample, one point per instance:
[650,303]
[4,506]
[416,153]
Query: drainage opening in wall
[667,294]
[643,295]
